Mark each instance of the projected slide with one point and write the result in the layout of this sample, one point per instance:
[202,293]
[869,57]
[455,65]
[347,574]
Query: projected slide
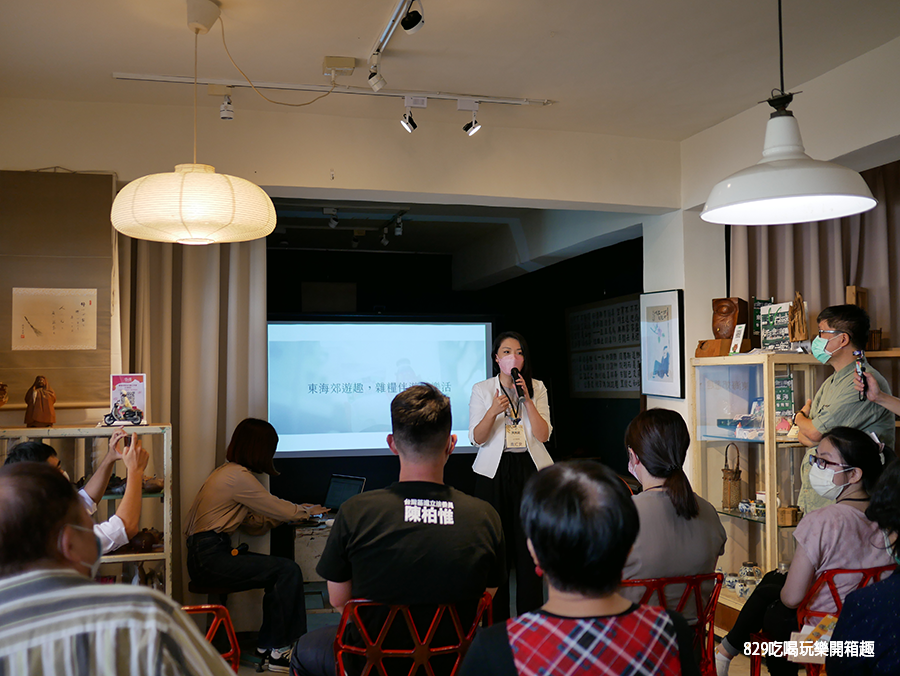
[331,384]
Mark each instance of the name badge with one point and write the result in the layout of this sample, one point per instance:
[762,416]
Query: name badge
[515,436]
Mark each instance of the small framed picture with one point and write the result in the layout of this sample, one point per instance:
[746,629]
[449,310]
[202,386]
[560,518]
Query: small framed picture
[662,338]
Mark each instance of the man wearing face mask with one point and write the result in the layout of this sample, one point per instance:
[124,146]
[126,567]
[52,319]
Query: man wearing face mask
[843,329]
[53,619]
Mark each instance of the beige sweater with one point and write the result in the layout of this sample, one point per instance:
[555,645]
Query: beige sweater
[233,498]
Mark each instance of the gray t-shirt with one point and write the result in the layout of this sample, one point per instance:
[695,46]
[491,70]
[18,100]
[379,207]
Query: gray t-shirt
[671,546]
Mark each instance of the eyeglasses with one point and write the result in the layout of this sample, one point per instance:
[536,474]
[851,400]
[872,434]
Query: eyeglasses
[822,463]
[821,331]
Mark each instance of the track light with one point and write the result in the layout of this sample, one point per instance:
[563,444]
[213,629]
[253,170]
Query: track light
[354,242]
[226,110]
[409,124]
[384,239]
[398,227]
[471,127]
[333,222]
[413,20]
[376,82]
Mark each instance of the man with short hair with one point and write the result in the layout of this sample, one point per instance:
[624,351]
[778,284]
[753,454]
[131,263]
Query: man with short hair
[417,542]
[843,329]
[54,619]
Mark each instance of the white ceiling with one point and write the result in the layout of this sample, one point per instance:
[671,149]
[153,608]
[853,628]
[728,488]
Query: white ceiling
[653,69]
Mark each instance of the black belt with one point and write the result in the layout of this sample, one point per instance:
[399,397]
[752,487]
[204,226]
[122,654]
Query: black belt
[207,534]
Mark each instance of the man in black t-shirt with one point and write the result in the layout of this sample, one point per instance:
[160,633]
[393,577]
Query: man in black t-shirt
[417,541]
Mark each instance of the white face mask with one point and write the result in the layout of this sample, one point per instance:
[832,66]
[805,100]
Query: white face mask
[95,566]
[632,467]
[822,482]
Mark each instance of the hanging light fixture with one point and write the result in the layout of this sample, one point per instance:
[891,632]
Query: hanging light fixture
[194,204]
[786,185]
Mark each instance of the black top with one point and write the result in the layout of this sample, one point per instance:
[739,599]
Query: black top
[872,616]
[415,543]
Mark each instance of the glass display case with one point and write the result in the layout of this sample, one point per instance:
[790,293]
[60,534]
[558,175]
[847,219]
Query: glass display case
[748,401]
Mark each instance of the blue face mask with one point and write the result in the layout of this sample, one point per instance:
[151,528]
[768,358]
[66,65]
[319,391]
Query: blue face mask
[819,351]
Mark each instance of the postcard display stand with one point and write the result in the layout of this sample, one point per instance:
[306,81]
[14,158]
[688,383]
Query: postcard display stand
[161,458]
[727,391]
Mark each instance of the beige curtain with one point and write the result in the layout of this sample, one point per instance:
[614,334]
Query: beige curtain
[198,330]
[821,259]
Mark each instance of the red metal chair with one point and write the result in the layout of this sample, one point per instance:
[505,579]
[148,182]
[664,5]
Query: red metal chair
[220,618]
[806,616]
[421,652]
[704,638]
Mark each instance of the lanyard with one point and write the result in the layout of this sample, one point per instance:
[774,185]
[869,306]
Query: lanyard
[515,409]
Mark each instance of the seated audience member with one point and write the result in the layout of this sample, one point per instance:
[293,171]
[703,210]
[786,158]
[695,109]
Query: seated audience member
[384,547]
[580,523]
[53,619]
[873,613]
[843,329]
[232,498]
[680,532]
[845,469]
[124,524]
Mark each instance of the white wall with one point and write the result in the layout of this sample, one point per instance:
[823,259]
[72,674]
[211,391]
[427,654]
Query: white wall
[367,157]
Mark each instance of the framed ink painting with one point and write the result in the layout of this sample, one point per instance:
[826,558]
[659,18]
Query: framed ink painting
[662,338]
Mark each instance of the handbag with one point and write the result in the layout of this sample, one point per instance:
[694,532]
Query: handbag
[731,481]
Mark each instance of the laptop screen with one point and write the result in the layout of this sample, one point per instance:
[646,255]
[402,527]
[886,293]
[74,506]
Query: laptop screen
[342,487]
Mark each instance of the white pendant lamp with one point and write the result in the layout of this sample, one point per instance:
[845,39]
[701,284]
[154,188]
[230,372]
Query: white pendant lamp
[194,204]
[786,185]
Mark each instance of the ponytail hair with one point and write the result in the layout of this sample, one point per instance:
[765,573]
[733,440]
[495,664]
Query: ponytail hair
[660,439]
[860,450]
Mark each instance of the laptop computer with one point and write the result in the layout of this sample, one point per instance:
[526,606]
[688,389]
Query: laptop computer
[340,488]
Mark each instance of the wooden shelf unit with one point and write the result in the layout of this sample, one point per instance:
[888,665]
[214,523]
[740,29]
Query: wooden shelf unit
[712,380]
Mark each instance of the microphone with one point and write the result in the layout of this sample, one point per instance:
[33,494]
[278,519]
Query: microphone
[515,376]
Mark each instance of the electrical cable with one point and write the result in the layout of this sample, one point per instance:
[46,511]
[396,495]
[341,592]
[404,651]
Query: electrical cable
[253,86]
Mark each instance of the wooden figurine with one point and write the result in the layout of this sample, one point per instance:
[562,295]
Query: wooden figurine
[40,403]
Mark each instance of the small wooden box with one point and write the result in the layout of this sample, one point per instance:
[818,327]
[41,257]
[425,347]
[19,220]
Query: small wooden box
[788,516]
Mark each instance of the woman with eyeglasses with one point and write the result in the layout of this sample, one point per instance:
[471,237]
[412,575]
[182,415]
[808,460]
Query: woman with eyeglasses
[844,468]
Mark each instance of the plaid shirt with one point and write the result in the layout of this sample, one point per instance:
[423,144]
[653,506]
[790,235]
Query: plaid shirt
[640,642]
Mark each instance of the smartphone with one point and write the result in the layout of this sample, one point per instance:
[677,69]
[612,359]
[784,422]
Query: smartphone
[860,369]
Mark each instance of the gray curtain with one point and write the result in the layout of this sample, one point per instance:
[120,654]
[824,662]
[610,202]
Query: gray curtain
[821,259]
[195,323]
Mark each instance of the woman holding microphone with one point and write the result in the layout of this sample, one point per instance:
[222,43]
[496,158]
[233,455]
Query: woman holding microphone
[509,422]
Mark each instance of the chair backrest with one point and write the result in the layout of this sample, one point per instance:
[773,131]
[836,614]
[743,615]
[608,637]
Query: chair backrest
[826,583]
[704,638]
[221,618]
[421,651]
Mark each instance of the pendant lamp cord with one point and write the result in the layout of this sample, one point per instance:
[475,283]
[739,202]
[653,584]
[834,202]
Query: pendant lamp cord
[195,94]
[780,47]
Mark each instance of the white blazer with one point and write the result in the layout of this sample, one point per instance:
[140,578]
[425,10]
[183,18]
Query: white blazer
[488,459]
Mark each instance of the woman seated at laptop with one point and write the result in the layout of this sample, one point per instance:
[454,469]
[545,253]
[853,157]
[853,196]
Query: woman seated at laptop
[233,498]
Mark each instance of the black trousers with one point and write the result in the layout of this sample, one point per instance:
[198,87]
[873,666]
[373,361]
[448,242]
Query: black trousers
[210,563]
[765,611]
[504,493]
